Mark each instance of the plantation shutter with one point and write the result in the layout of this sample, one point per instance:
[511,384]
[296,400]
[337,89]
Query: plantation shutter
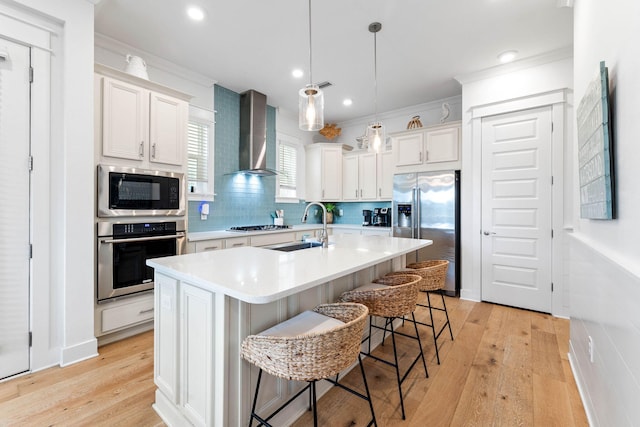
[197,149]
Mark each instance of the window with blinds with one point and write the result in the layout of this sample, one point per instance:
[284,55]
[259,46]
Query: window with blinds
[288,168]
[200,154]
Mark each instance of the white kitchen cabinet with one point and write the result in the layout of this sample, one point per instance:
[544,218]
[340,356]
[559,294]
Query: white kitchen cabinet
[359,175]
[385,175]
[367,176]
[140,121]
[209,245]
[272,238]
[431,148]
[124,317]
[324,171]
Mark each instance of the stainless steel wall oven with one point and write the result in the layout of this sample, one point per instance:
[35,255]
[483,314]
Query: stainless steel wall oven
[126,191]
[123,249]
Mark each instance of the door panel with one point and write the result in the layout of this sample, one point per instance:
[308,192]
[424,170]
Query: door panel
[14,199]
[516,209]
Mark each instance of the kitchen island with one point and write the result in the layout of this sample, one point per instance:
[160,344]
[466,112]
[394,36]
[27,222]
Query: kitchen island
[207,303]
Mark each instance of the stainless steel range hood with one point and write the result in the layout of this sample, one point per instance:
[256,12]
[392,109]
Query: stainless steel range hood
[253,134]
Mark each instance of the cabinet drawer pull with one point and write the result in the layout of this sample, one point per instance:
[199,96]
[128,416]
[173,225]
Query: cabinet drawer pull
[379,192]
[356,193]
[421,156]
[150,310]
[211,248]
[153,150]
[141,149]
[235,245]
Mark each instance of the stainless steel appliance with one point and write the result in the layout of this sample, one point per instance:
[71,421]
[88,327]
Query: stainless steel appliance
[367,217]
[427,206]
[381,217]
[125,191]
[123,249]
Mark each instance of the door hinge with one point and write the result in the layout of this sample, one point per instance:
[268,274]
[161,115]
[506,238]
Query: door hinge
[30,163]
[30,339]
[552,233]
[30,74]
[551,286]
[30,250]
[551,126]
[551,179]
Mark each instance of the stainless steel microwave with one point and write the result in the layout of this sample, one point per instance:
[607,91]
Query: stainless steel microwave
[125,191]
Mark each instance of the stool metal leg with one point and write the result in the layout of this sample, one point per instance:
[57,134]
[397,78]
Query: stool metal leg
[395,358]
[255,399]
[366,388]
[446,313]
[433,328]
[315,404]
[424,363]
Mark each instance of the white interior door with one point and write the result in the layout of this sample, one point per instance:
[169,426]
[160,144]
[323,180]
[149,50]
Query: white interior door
[14,208]
[516,209]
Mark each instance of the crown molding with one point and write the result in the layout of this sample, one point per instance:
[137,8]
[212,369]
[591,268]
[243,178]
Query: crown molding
[532,61]
[117,47]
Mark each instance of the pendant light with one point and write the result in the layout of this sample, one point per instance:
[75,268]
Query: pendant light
[375,131]
[310,99]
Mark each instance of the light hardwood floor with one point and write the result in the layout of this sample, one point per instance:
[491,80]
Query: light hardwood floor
[505,367]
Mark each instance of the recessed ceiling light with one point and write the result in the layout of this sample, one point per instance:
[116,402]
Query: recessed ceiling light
[347,102]
[507,56]
[195,13]
[297,73]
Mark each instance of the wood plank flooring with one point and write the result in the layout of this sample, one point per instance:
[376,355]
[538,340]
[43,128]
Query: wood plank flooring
[506,367]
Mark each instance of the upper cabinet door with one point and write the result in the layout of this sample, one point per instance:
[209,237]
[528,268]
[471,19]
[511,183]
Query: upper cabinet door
[125,124]
[408,149]
[385,175]
[332,174]
[350,183]
[367,176]
[442,145]
[167,131]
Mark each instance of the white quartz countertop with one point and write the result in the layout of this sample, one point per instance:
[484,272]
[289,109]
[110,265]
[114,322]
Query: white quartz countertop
[226,234]
[259,275]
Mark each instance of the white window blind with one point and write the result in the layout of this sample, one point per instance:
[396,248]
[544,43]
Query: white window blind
[288,169]
[198,152]
[289,161]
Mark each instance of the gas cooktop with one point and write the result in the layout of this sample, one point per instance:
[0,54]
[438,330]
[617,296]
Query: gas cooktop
[269,227]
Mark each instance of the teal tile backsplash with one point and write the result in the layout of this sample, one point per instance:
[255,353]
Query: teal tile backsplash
[250,200]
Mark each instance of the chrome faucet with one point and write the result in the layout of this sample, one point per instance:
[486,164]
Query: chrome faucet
[324,237]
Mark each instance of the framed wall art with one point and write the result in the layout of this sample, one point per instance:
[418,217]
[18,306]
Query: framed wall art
[595,150]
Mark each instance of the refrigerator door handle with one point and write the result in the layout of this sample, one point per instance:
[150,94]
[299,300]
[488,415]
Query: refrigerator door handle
[416,218]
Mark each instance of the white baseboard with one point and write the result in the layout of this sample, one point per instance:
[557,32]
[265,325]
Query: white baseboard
[79,352]
[586,402]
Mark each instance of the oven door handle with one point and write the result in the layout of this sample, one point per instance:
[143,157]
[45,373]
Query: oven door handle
[145,239]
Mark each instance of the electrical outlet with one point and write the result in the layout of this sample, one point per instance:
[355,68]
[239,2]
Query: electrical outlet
[340,212]
[590,344]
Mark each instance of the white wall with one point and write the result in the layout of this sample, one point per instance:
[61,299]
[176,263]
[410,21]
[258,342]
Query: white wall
[604,257]
[518,81]
[68,310]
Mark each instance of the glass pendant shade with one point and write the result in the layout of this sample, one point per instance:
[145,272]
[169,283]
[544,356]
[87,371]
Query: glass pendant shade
[311,108]
[376,137]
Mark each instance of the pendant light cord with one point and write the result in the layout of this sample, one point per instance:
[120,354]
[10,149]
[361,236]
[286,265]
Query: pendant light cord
[310,56]
[375,75]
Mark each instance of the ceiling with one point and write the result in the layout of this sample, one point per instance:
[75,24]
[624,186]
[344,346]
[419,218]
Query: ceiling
[422,47]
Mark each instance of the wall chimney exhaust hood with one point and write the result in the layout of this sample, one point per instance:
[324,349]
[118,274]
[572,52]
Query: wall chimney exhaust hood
[253,134]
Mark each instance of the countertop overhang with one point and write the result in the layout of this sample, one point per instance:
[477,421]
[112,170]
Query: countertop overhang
[259,276]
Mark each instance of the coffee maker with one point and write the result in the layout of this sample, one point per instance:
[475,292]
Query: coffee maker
[381,217]
[366,217]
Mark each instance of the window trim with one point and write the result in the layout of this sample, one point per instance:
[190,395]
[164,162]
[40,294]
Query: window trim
[206,117]
[296,143]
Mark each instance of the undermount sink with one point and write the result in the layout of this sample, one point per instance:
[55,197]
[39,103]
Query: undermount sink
[294,246]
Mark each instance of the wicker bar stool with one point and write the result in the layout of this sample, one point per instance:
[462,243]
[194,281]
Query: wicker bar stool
[311,346]
[433,273]
[391,298]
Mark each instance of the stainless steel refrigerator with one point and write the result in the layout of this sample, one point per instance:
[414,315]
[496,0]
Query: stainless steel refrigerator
[426,205]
